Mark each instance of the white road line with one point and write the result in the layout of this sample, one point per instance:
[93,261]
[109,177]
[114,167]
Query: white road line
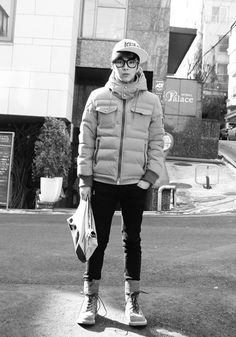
[167,333]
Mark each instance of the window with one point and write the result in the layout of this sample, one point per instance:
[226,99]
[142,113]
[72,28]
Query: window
[215,14]
[219,14]
[223,44]
[234,91]
[7,14]
[222,73]
[104,19]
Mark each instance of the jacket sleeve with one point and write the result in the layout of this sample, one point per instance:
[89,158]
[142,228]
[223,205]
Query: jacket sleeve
[87,140]
[155,153]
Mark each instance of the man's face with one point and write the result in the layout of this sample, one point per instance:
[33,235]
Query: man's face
[125,68]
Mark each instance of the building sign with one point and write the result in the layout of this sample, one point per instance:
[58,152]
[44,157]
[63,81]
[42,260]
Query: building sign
[168,141]
[6,154]
[182,97]
[159,86]
[173,96]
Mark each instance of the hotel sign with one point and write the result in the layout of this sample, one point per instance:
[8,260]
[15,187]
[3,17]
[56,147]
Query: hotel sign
[173,96]
[182,97]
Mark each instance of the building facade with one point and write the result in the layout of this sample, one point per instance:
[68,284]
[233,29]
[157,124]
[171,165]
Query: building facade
[217,19]
[208,57]
[102,24]
[53,53]
[231,102]
[37,58]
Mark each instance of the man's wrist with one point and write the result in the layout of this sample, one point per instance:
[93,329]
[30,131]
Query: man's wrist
[144,184]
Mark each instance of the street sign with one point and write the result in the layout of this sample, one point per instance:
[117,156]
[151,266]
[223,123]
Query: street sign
[159,86]
[6,155]
[168,141]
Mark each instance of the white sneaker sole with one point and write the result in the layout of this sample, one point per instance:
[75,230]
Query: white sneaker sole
[137,323]
[84,321]
[81,322]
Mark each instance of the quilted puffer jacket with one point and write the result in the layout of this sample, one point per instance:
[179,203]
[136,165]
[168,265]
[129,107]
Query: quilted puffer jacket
[121,134]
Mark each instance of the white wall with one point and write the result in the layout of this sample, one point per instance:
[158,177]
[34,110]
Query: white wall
[37,69]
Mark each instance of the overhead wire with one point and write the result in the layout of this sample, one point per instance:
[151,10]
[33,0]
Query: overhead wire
[210,49]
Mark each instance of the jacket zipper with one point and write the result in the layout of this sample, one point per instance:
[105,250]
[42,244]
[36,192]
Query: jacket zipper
[145,156]
[96,151]
[121,142]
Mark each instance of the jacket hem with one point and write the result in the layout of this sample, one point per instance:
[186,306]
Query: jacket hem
[113,182]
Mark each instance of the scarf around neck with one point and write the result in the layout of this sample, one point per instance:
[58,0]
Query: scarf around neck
[127,90]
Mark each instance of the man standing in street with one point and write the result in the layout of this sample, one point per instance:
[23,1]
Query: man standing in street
[120,157]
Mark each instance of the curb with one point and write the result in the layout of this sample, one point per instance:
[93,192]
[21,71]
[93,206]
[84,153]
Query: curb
[69,212]
[227,159]
[196,160]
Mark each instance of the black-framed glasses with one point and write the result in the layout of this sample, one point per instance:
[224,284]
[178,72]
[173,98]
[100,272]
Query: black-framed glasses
[130,63]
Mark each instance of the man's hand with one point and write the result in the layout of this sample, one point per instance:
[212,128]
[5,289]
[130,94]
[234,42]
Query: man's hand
[143,184]
[85,192]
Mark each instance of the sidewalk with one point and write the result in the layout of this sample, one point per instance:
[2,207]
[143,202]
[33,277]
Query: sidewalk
[191,197]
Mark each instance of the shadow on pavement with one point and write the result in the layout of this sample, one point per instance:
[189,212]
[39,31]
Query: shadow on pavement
[112,326]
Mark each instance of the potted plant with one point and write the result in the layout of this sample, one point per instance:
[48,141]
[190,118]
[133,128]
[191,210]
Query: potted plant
[52,158]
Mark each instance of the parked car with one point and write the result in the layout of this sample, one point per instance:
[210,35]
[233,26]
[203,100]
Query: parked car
[224,133]
[232,134]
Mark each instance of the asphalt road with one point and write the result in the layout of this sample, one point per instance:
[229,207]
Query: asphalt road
[229,148]
[189,272]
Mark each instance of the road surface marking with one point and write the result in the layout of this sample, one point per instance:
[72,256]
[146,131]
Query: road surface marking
[167,333]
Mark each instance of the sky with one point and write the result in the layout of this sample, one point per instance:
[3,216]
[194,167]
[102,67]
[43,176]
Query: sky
[185,13]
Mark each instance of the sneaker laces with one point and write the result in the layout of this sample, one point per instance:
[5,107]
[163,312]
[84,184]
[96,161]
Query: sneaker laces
[134,306]
[101,305]
[90,302]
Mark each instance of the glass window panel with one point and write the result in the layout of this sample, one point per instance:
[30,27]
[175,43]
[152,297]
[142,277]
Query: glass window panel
[7,17]
[112,3]
[222,68]
[110,23]
[4,17]
[224,44]
[88,18]
[215,14]
[1,24]
[234,91]
[223,14]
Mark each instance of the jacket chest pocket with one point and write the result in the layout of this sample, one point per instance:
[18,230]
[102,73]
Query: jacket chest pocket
[140,118]
[106,116]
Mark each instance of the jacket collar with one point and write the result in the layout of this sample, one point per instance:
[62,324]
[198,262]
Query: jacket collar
[127,90]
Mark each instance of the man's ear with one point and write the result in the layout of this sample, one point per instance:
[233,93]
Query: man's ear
[139,70]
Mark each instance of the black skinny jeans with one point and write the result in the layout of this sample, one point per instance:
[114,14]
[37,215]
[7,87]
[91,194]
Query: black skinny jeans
[105,198]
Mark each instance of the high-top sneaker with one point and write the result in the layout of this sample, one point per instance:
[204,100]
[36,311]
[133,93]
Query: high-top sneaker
[88,310]
[133,313]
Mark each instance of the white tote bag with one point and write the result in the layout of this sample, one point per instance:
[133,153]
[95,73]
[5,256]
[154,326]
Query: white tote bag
[83,230]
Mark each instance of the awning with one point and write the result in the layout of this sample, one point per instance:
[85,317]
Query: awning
[180,40]
[230,117]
